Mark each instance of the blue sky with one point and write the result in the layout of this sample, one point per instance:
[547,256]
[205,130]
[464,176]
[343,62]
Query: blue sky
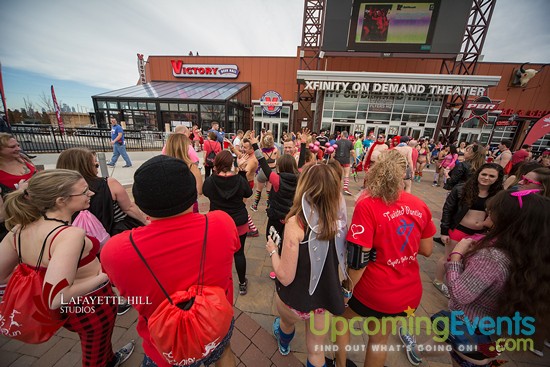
[20,84]
[88,47]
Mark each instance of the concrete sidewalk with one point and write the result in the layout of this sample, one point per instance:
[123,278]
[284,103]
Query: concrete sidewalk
[252,340]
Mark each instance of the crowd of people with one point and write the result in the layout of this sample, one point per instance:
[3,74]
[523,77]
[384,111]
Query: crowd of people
[322,264]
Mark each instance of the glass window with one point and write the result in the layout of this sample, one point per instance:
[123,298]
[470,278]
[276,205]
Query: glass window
[344,114]
[432,118]
[164,107]
[151,106]
[183,107]
[113,105]
[379,116]
[434,110]
[257,111]
[396,116]
[142,105]
[345,106]
[414,118]
[174,107]
[327,114]
[361,115]
[415,109]
[285,112]
[133,105]
[102,104]
[398,107]
[193,107]
[124,106]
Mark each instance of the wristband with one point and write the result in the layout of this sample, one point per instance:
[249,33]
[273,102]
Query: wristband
[453,253]
[272,252]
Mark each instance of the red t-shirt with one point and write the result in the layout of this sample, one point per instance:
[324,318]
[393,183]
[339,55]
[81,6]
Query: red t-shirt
[172,248]
[392,283]
[211,145]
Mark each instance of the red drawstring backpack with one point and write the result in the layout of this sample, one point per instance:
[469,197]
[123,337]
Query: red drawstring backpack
[24,311]
[188,325]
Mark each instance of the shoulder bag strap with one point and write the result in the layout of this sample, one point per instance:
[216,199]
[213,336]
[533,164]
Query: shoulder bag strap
[203,256]
[149,268]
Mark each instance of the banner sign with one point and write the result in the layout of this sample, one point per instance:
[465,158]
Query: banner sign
[58,113]
[271,102]
[395,88]
[3,96]
[141,69]
[539,129]
[181,70]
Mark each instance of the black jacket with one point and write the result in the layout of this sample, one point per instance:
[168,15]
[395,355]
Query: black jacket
[227,194]
[281,201]
[453,210]
[459,174]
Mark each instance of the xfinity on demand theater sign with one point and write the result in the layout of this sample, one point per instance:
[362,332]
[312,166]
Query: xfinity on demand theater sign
[181,70]
[436,89]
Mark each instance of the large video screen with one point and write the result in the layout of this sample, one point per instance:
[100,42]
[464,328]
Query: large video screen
[409,26]
[402,24]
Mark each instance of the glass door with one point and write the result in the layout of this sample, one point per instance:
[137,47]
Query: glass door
[340,127]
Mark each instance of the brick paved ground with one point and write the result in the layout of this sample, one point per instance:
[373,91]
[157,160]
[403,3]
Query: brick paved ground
[252,341]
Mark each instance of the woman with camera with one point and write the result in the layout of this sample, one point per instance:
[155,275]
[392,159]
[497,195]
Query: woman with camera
[306,285]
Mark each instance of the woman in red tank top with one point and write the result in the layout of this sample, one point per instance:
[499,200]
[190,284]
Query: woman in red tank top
[39,218]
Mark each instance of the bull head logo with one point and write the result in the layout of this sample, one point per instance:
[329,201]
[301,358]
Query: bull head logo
[522,76]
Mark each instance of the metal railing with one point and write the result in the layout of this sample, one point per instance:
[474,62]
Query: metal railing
[48,139]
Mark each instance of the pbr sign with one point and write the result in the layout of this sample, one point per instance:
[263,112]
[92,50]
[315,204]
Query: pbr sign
[482,105]
[271,102]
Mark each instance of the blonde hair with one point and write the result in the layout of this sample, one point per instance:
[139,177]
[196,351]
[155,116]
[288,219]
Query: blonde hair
[4,138]
[26,206]
[267,141]
[321,185]
[177,146]
[385,179]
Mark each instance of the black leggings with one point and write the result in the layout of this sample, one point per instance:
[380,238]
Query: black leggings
[240,260]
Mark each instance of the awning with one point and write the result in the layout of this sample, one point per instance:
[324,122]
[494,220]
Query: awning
[178,90]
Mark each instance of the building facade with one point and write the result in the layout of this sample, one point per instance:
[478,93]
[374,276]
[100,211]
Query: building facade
[396,96]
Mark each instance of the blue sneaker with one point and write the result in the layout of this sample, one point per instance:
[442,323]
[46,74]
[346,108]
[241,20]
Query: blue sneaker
[276,328]
[410,346]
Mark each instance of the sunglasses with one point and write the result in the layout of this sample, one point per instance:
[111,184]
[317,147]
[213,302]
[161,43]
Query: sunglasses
[520,194]
[380,137]
[528,180]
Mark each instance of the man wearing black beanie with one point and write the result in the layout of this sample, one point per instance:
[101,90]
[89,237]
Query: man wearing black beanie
[164,188]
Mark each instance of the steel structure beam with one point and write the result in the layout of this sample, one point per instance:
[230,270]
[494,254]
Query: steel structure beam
[309,53]
[465,63]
